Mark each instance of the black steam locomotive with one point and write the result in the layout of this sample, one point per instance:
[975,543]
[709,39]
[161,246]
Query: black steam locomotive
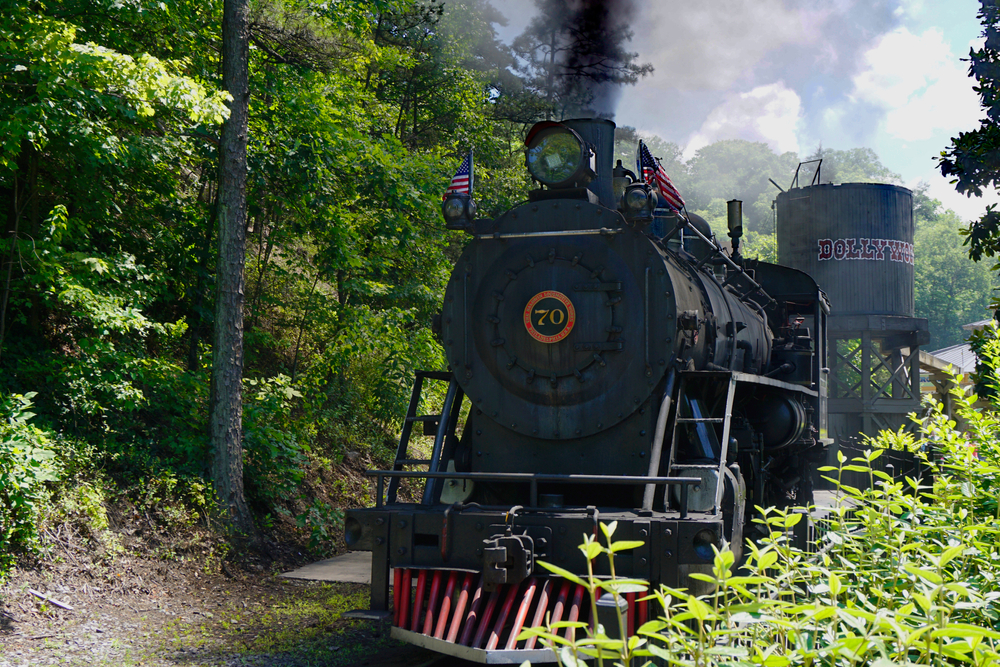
[618,365]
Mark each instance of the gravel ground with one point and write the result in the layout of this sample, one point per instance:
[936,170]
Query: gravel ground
[171,601]
[155,613]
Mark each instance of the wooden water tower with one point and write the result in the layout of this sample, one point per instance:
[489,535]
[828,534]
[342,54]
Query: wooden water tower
[856,241]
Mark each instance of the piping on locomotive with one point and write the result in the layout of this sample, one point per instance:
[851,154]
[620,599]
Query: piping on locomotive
[618,365]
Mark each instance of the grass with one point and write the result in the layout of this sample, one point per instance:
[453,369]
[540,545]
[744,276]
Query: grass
[303,629]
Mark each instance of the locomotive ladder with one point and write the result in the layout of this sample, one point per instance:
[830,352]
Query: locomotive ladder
[442,428]
[691,384]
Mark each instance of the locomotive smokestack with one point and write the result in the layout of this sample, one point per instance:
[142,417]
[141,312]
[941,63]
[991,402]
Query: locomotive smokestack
[601,135]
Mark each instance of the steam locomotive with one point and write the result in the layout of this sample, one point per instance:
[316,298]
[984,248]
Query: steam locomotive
[617,365]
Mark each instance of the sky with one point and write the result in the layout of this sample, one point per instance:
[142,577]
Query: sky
[799,74]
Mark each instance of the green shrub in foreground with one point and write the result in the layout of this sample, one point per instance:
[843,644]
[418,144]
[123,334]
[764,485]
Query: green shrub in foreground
[906,573]
[26,462]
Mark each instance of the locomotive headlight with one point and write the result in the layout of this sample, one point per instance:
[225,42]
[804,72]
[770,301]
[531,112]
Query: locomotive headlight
[459,210]
[557,156]
[638,202]
[637,199]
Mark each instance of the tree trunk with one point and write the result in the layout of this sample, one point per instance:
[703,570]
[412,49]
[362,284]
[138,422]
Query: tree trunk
[227,352]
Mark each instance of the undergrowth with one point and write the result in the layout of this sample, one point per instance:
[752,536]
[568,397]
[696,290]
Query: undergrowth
[303,629]
[903,573]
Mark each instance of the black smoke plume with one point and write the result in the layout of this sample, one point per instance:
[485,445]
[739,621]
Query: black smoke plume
[573,54]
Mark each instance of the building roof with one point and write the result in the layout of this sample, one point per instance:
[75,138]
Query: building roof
[960,356]
[976,326]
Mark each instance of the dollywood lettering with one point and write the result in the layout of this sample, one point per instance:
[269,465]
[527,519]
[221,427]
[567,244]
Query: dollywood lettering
[871,249]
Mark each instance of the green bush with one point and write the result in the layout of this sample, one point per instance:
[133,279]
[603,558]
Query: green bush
[985,343]
[274,445]
[904,573]
[26,462]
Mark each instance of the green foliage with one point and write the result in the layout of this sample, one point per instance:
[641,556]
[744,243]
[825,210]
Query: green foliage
[108,165]
[856,165]
[905,573]
[951,289]
[985,343]
[26,463]
[972,160]
[324,523]
[274,447]
[84,504]
[62,89]
[737,169]
[760,246]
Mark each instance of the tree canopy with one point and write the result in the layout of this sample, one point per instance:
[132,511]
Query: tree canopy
[973,158]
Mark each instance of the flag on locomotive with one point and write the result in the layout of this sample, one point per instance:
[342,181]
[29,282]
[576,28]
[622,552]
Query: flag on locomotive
[462,180]
[654,174]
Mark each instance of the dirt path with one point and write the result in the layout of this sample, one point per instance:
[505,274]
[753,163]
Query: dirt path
[155,613]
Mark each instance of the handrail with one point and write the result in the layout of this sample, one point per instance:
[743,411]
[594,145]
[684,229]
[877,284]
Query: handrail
[535,478]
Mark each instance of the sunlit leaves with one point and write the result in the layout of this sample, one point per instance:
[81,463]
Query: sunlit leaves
[901,574]
[972,161]
[62,87]
[26,463]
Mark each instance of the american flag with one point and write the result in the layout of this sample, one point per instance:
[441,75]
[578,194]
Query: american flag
[462,181]
[654,174]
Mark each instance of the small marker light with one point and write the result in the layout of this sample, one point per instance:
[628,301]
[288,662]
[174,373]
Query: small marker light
[459,210]
[704,540]
[638,202]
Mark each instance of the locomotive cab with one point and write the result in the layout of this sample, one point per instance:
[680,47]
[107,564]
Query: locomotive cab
[611,374]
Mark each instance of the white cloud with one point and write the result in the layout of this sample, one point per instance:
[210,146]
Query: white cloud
[710,45]
[968,208]
[919,84]
[768,113]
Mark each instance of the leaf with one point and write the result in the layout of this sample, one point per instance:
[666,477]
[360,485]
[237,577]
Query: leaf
[624,585]
[729,651]
[949,554]
[767,559]
[562,572]
[745,581]
[609,529]
[650,627]
[824,613]
[834,584]
[661,653]
[635,642]
[699,609]
[591,549]
[624,545]
[567,658]
[965,630]
[930,576]
[724,560]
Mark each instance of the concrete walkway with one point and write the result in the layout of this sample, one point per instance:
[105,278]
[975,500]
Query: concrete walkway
[354,567]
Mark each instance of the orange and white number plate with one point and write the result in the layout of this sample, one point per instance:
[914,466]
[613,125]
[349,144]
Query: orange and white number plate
[549,316]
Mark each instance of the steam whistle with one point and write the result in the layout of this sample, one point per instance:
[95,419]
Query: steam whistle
[734,210]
